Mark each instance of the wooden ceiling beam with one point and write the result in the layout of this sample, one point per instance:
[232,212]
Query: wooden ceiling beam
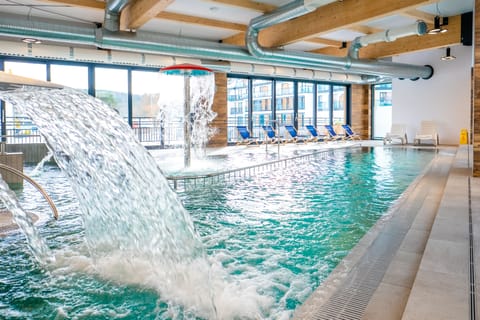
[137,13]
[247,4]
[334,16]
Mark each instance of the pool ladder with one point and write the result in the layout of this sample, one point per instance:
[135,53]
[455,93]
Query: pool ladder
[33,183]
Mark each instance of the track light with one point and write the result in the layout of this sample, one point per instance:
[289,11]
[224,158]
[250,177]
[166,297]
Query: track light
[437,27]
[448,56]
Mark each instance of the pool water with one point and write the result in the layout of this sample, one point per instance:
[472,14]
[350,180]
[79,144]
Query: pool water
[273,239]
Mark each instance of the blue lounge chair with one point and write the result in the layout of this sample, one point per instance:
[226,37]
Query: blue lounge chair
[349,133]
[315,135]
[294,135]
[247,139]
[271,135]
[333,135]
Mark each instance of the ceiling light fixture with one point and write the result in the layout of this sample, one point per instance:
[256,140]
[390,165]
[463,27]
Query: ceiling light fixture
[31,41]
[448,56]
[437,27]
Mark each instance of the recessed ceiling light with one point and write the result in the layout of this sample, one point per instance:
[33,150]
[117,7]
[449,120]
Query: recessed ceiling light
[31,40]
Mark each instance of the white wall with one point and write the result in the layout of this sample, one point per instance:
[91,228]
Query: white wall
[445,98]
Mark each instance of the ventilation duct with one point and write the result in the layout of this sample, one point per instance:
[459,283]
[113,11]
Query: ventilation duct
[113,9]
[390,35]
[317,61]
[159,44]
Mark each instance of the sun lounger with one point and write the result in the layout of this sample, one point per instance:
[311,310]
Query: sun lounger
[397,131]
[350,134]
[428,131]
[292,132]
[246,138]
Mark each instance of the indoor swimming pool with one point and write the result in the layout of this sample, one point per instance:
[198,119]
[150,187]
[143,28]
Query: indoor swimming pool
[270,240]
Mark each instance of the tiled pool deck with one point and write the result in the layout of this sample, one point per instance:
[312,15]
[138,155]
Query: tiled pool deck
[415,264]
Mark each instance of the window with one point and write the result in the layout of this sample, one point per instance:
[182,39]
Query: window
[323,104]
[381,110]
[339,104]
[71,76]
[295,102]
[305,104]
[111,86]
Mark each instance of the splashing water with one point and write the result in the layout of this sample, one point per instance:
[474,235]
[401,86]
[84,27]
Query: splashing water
[37,245]
[136,230]
[202,89]
[39,167]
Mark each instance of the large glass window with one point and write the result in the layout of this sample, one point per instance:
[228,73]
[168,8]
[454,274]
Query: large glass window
[71,76]
[305,104]
[294,102]
[145,94]
[111,86]
[382,109]
[18,127]
[284,102]
[262,105]
[339,104]
[26,69]
[237,105]
[323,104]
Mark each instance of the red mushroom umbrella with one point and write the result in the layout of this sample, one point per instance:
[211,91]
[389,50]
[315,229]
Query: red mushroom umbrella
[186,70]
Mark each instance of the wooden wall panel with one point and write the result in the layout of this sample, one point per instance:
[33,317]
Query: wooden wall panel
[220,107]
[360,116]
[476,94]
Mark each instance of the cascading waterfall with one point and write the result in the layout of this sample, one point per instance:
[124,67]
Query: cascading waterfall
[202,91]
[134,223]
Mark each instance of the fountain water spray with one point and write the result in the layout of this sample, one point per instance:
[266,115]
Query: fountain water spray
[133,220]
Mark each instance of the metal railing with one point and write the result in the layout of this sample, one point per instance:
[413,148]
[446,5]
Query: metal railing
[188,182]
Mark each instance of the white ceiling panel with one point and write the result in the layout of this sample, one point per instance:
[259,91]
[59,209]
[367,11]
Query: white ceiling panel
[391,22]
[187,30]
[303,46]
[213,10]
[342,35]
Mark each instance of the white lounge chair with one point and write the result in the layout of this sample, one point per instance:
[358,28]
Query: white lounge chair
[428,131]
[397,131]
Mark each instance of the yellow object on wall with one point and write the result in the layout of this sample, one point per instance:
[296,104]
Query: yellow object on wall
[463,136]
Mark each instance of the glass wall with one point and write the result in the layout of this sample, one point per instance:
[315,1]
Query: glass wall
[382,110]
[306,110]
[281,102]
[339,105]
[284,102]
[262,112]
[237,105]
[18,127]
[71,76]
[324,104]
[111,86]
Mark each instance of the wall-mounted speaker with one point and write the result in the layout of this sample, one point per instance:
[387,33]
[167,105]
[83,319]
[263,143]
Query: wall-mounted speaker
[466,28]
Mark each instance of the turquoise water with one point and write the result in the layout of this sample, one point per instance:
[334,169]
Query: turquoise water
[273,238]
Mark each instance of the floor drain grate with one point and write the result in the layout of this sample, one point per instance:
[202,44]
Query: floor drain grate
[351,299]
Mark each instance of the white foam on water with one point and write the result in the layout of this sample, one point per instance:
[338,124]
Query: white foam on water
[136,230]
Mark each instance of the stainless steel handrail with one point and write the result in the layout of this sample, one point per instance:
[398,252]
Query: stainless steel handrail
[35,184]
